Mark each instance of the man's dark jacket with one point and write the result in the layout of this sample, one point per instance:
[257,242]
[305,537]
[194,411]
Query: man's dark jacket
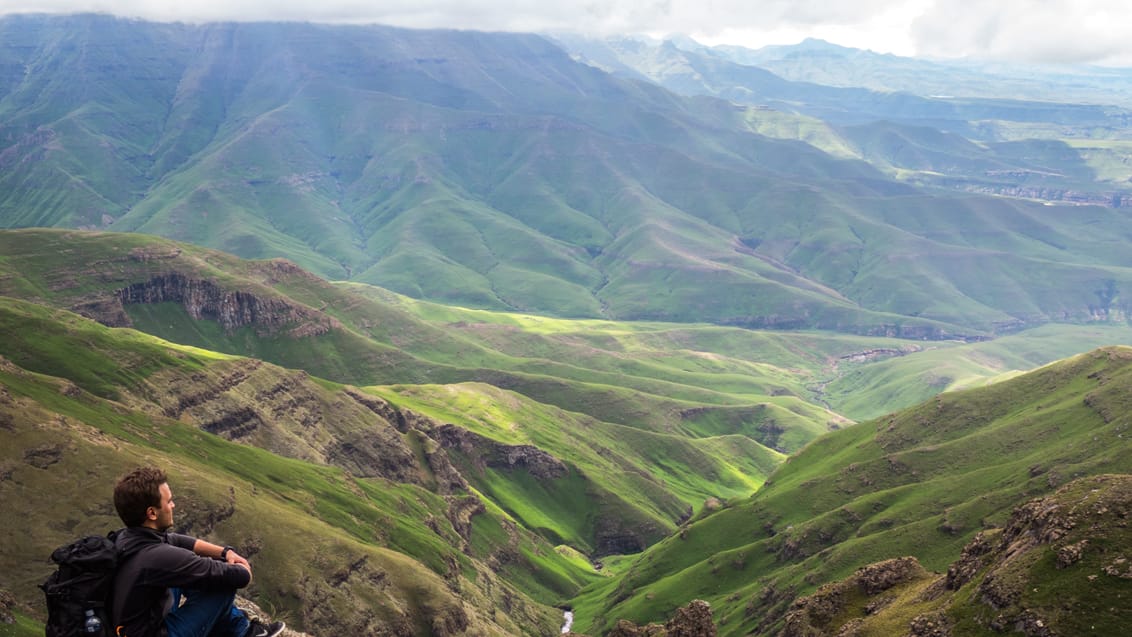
[149,564]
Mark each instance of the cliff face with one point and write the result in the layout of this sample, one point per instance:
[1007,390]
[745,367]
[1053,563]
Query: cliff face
[99,275]
[205,300]
[1111,199]
[487,453]
[286,413]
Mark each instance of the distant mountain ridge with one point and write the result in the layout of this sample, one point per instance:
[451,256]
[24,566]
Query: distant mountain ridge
[1041,133]
[492,170]
[847,94]
[821,62]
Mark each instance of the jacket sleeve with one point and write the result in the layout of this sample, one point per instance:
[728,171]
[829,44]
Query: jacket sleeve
[181,541]
[171,565]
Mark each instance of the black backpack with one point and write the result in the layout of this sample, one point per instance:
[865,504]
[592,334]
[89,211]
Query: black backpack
[80,588]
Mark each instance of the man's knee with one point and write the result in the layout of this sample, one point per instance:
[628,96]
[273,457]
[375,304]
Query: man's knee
[202,612]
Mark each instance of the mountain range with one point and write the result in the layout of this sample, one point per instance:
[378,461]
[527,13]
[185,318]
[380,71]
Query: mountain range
[496,171]
[452,331]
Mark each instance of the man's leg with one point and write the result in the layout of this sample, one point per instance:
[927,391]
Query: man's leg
[204,614]
[234,623]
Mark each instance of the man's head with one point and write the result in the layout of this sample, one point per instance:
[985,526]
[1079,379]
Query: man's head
[143,498]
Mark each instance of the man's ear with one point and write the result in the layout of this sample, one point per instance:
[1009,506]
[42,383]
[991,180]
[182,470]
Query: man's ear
[150,513]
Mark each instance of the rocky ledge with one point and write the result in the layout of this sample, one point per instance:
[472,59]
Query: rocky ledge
[1060,567]
[206,300]
[693,620]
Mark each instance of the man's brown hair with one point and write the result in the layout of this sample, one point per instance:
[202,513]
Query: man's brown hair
[137,491]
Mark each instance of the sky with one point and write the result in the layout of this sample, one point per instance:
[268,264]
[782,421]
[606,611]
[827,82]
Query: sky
[1043,31]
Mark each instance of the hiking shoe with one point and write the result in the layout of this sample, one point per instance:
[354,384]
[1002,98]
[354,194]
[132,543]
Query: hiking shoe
[260,629]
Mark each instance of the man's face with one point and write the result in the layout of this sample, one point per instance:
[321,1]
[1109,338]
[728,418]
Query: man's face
[162,518]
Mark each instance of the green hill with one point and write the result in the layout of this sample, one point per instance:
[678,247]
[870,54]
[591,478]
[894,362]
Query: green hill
[636,375]
[1038,133]
[494,171]
[547,441]
[346,535]
[1056,568]
[921,482]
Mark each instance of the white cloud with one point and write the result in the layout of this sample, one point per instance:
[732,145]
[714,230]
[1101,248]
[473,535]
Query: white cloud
[1037,30]
[1067,31]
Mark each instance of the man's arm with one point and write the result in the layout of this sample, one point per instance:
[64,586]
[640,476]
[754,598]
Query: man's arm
[177,564]
[208,549]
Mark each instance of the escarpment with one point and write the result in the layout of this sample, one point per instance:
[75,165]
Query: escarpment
[287,413]
[203,299]
[487,453]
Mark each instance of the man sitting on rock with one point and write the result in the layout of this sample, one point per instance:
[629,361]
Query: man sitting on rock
[171,585]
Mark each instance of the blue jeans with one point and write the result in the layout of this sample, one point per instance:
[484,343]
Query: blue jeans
[205,614]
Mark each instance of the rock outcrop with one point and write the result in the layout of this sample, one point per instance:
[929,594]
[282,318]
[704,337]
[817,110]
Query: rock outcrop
[693,620]
[1053,570]
[287,413]
[484,452]
[814,614]
[1084,531]
[7,604]
[206,300]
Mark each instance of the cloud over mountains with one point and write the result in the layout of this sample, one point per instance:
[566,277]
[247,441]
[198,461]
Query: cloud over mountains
[1057,31]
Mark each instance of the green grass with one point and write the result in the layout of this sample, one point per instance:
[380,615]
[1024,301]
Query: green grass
[386,521]
[388,338]
[501,188]
[670,414]
[1021,565]
[873,389]
[24,626]
[667,474]
[918,483]
[107,359]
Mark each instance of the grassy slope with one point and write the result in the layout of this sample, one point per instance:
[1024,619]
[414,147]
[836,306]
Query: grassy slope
[690,380]
[505,175]
[872,389]
[157,377]
[859,378]
[663,476]
[920,482]
[1056,567]
[93,424]
[134,368]
[279,504]
[634,376]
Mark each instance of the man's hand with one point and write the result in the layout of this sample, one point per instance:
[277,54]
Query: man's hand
[236,558]
[208,549]
[240,560]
